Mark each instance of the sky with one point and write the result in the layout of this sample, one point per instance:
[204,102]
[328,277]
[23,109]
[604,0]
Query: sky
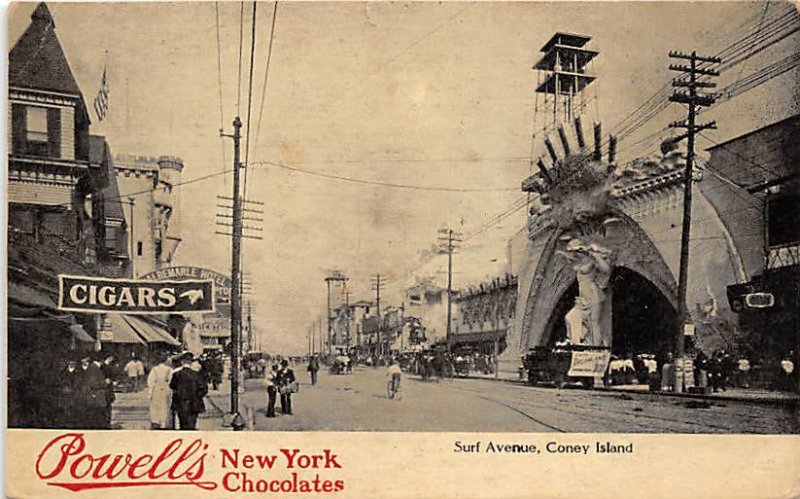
[422,94]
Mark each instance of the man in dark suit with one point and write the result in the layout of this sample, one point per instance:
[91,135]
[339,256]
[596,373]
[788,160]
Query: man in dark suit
[188,389]
[286,380]
[93,393]
[70,402]
[110,373]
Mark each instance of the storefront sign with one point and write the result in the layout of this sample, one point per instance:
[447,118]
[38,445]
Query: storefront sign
[589,363]
[222,283]
[98,295]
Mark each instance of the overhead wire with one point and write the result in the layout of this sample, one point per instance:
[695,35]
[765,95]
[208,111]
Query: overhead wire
[219,79]
[266,76]
[380,183]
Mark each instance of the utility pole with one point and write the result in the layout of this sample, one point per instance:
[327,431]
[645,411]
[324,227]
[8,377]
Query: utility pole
[402,325]
[694,100]
[236,289]
[347,305]
[377,284]
[448,240]
[335,276]
[250,326]
[319,329]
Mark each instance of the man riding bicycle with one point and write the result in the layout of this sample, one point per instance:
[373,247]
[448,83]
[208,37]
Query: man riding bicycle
[394,374]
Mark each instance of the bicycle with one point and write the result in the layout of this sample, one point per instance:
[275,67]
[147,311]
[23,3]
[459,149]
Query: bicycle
[392,386]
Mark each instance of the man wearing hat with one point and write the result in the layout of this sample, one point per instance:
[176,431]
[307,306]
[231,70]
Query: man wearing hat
[93,393]
[188,389]
[70,385]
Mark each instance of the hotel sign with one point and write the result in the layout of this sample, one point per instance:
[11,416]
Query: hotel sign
[99,295]
[222,283]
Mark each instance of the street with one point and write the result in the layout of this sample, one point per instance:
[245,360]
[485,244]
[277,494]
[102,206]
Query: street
[358,402]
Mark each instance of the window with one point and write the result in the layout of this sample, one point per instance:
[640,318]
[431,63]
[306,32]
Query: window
[139,248]
[36,130]
[111,238]
[36,124]
[158,251]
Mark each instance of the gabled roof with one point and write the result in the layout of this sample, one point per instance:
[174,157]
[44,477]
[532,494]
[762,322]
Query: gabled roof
[100,154]
[37,60]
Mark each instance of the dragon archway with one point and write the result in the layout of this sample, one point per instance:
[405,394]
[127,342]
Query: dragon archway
[593,219]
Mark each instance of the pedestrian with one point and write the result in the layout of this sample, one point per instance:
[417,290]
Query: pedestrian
[70,393]
[728,367]
[132,371]
[668,373]
[110,373]
[92,392]
[787,369]
[701,370]
[743,372]
[160,394]
[313,368]
[271,380]
[287,384]
[188,389]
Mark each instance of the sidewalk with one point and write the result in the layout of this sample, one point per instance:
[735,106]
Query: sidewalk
[131,412]
[751,395]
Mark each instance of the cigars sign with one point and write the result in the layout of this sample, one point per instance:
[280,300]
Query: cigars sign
[68,462]
[99,295]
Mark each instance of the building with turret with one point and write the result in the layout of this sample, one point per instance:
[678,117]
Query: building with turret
[150,209]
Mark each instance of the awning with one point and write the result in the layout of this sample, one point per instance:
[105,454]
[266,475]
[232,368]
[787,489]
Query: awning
[151,332]
[80,333]
[29,296]
[478,337]
[121,331]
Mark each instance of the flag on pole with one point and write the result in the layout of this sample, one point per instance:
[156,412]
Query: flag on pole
[101,101]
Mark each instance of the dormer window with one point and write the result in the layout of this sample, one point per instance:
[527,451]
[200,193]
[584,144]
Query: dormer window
[37,131]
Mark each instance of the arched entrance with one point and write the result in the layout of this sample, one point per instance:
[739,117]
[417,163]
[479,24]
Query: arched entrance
[641,281]
[642,319]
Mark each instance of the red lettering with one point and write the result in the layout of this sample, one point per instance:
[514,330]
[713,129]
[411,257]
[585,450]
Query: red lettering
[74,445]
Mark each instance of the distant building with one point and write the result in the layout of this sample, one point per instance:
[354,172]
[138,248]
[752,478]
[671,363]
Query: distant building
[153,215]
[427,302]
[484,314]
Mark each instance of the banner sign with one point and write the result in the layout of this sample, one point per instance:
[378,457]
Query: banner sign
[130,296]
[589,363]
[222,283]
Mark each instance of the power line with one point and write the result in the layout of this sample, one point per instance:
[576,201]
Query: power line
[266,76]
[382,184]
[249,99]
[148,191]
[426,35]
[219,79]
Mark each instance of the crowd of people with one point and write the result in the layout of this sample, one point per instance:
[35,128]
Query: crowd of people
[175,384]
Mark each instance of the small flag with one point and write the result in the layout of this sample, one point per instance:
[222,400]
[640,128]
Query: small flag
[101,101]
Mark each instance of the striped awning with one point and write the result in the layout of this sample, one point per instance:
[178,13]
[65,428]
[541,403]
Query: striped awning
[121,331]
[150,331]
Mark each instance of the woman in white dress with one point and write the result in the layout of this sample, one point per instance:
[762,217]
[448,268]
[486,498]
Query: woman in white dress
[160,394]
